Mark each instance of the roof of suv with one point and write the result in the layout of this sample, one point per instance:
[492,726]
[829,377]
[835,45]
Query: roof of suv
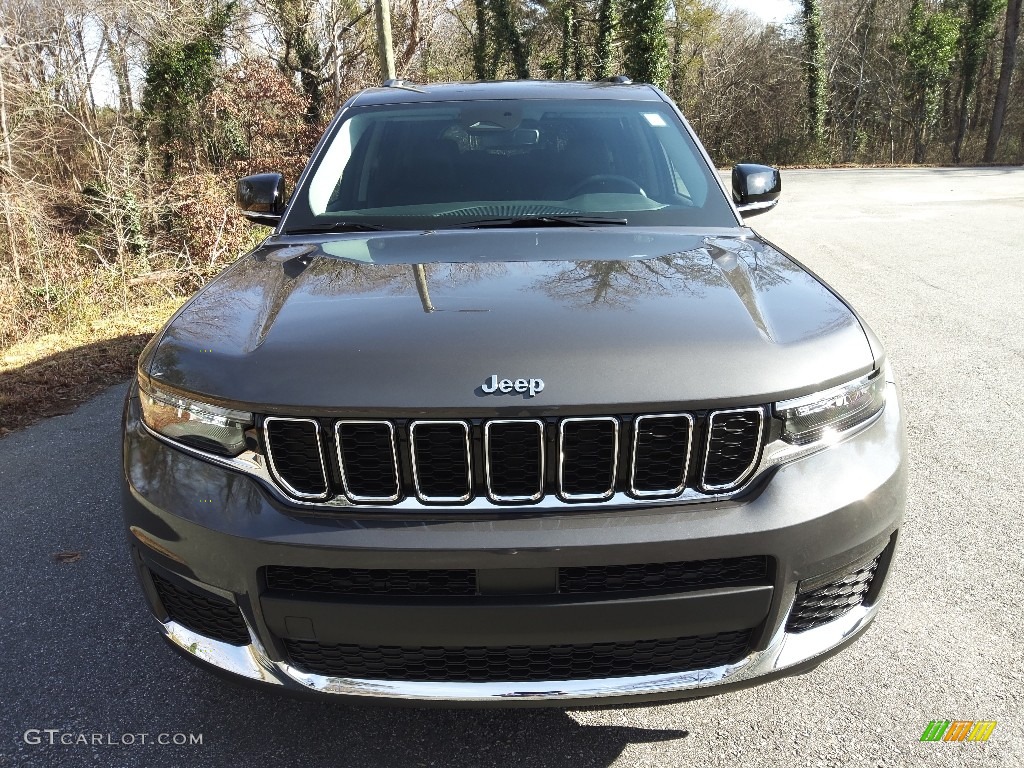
[508,89]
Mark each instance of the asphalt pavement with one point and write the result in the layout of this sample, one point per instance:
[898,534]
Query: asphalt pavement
[931,258]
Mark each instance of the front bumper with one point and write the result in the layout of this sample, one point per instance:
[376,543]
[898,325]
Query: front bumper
[215,531]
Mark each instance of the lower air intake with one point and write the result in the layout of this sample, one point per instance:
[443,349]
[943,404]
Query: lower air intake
[519,663]
[372,581]
[206,614]
[824,604]
[680,576]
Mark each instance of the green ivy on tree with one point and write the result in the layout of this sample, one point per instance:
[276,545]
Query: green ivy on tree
[179,75]
[645,50]
[508,39]
[929,44]
[817,75]
[606,24]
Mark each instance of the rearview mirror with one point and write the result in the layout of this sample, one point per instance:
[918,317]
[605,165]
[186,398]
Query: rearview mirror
[755,188]
[261,198]
[520,137]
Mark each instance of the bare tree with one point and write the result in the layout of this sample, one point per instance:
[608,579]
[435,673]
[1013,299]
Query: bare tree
[1010,35]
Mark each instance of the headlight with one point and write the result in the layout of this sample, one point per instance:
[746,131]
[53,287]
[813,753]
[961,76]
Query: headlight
[194,423]
[828,413]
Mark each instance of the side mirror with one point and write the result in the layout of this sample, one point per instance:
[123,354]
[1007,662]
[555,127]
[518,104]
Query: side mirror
[755,188]
[261,198]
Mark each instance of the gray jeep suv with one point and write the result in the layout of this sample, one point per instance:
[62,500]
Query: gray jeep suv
[512,408]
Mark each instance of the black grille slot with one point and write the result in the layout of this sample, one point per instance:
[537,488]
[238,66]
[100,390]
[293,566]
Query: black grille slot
[371,581]
[523,663]
[666,577]
[369,467]
[296,456]
[206,614]
[515,460]
[661,451]
[589,449]
[441,460]
[824,604]
[734,439]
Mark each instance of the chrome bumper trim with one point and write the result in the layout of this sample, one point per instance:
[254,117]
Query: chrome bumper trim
[784,651]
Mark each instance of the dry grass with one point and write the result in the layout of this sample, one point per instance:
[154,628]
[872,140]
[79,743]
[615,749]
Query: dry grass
[50,375]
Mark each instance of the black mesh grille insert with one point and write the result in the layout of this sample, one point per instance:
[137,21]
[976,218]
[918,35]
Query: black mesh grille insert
[378,581]
[295,452]
[824,604]
[520,663]
[661,449]
[675,577]
[733,442]
[441,460]
[368,460]
[205,614]
[589,448]
[515,466]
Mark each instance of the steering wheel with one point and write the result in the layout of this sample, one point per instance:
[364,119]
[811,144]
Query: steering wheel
[604,180]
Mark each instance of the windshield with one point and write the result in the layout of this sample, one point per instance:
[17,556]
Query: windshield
[457,164]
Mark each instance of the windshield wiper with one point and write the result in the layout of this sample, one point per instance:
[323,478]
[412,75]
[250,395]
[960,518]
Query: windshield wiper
[338,226]
[541,221]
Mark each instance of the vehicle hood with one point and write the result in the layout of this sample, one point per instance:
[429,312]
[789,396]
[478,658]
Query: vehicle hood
[415,323]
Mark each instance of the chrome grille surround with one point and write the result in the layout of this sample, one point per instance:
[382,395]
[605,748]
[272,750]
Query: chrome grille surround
[604,495]
[541,433]
[742,477]
[320,452]
[415,468]
[633,490]
[338,425]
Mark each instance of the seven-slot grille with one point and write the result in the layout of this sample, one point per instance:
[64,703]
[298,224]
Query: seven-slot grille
[517,461]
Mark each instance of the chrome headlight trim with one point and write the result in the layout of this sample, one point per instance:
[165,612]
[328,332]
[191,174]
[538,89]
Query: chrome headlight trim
[825,416]
[186,420]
